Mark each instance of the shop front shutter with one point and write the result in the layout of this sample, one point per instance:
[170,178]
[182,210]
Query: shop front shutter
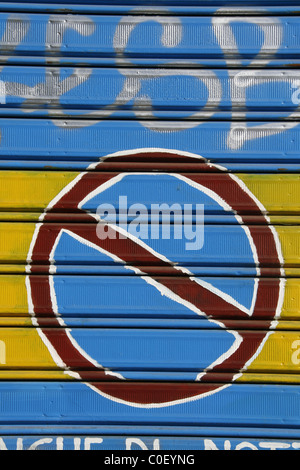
[150,225]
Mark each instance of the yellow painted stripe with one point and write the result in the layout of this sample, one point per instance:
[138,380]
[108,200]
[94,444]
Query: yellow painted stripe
[289,325]
[281,219]
[276,192]
[19,216]
[291,302]
[20,268]
[268,378]
[13,295]
[31,189]
[290,243]
[280,352]
[16,321]
[34,375]
[23,348]
[15,239]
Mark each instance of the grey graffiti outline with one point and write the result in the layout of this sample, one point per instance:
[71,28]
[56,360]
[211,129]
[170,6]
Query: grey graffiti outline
[49,91]
[16,29]
[240,133]
[53,87]
[171,36]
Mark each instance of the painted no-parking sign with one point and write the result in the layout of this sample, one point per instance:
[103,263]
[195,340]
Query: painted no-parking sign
[149,227]
[78,352]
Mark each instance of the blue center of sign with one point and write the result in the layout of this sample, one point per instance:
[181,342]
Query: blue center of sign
[118,350]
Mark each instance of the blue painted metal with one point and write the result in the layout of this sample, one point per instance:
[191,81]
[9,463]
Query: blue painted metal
[215,80]
[77,404]
[126,350]
[195,323]
[107,36]
[139,442]
[144,62]
[149,430]
[181,91]
[230,248]
[89,140]
[91,297]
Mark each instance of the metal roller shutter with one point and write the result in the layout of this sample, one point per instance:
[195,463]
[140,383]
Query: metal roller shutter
[149,225]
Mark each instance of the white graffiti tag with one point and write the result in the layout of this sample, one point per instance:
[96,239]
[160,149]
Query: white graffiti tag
[131,92]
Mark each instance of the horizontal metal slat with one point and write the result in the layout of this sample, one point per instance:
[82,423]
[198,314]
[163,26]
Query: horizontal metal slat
[88,141]
[153,89]
[48,442]
[216,271]
[27,321]
[145,114]
[35,165]
[176,9]
[34,191]
[56,60]
[148,430]
[191,9]
[71,403]
[124,350]
[227,247]
[154,36]
[139,298]
[73,139]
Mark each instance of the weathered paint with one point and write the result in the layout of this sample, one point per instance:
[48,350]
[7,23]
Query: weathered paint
[115,332]
[149,35]
[110,89]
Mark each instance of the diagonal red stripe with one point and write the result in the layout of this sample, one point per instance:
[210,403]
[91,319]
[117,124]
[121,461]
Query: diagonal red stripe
[240,202]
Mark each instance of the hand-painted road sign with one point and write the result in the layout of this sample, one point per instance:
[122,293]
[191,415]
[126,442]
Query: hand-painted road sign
[122,326]
[68,349]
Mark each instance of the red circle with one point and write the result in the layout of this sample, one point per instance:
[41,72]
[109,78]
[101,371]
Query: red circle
[242,204]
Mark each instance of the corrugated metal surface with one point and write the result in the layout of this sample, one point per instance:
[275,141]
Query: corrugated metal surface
[149,225]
